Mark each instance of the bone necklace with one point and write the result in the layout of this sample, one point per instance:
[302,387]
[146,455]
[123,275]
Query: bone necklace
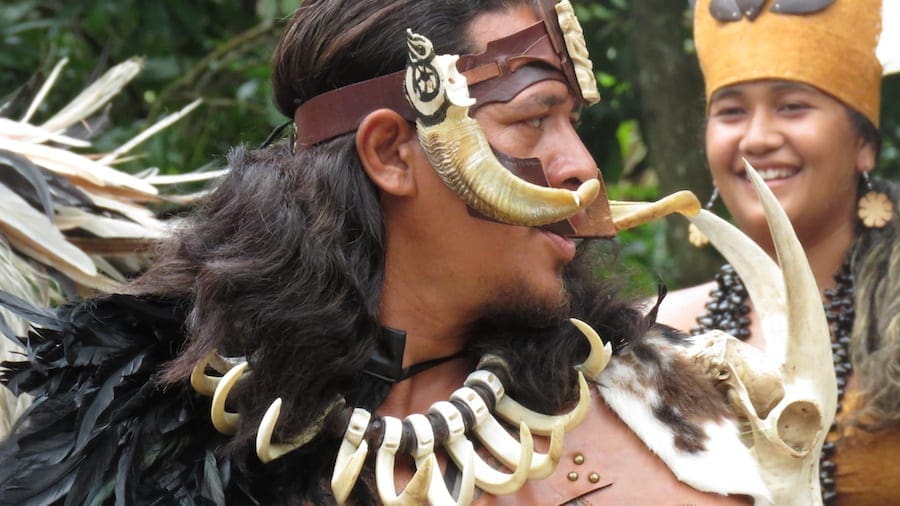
[727,310]
[448,424]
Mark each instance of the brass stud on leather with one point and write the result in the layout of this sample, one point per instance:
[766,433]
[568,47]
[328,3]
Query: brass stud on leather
[573,476]
[578,459]
[593,477]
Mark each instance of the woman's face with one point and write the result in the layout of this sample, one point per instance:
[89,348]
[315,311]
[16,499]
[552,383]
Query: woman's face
[803,145]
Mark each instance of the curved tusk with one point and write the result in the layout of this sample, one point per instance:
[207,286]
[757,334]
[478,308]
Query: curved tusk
[351,456]
[462,156]
[268,452]
[808,343]
[459,151]
[542,424]
[416,491]
[486,477]
[627,215]
[205,384]
[600,352]
[505,447]
[513,412]
[424,454]
[223,421]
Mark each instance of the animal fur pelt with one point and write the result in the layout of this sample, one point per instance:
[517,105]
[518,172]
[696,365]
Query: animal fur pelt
[659,392]
[103,430]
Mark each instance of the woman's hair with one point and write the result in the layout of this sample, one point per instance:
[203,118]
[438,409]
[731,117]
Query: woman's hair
[284,262]
[875,343]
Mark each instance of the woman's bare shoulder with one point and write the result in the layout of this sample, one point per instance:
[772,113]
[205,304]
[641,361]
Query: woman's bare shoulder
[681,308]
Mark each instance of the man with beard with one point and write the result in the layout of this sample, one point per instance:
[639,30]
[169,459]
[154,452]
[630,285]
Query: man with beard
[365,326]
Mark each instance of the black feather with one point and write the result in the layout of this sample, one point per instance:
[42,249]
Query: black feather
[102,430]
[27,180]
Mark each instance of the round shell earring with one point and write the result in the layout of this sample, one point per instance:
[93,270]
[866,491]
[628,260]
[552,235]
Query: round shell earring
[875,208]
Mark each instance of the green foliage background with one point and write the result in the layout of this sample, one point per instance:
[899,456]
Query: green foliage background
[219,50]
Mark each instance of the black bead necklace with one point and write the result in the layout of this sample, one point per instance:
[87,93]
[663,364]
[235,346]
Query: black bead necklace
[727,310]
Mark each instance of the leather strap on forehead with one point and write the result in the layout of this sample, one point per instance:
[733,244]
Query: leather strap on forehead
[505,68]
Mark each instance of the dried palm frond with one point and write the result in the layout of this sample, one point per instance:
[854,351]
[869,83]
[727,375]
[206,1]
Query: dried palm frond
[70,222]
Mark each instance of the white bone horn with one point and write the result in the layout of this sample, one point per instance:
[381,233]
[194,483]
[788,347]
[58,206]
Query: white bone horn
[222,420]
[501,444]
[600,352]
[268,452]
[542,424]
[205,384]
[460,153]
[487,478]
[423,454]
[351,456]
[416,491]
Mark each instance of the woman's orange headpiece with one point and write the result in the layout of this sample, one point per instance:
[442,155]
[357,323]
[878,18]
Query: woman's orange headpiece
[829,44]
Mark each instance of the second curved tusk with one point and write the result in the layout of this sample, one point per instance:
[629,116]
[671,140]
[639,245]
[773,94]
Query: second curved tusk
[268,452]
[416,491]
[505,447]
[542,424]
[600,352]
[222,420]
[351,456]
[486,477]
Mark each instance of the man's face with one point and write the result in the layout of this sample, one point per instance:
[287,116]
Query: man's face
[505,268]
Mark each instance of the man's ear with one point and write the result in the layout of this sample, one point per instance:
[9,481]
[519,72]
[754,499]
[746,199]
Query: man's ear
[385,143]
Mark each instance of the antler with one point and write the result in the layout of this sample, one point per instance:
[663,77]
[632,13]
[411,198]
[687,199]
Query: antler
[788,441]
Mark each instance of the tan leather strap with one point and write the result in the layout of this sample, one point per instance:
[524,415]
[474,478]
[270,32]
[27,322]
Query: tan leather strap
[505,68]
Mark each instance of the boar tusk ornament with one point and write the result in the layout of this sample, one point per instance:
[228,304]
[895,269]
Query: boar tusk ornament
[460,153]
[788,395]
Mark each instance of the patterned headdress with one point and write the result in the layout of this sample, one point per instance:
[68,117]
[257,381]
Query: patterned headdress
[842,47]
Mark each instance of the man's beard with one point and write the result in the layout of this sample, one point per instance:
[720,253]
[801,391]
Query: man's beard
[518,305]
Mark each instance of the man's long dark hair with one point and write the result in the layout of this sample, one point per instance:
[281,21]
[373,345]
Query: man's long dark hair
[283,264]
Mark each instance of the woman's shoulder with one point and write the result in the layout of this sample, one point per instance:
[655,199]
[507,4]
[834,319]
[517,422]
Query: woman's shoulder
[680,308]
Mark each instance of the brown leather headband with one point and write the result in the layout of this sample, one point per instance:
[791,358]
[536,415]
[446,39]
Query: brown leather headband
[505,68]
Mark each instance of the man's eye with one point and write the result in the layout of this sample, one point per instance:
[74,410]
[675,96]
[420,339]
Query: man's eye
[534,122]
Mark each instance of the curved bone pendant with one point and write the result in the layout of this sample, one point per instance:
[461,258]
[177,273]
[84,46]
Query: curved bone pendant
[460,153]
[427,483]
[416,491]
[600,353]
[222,420]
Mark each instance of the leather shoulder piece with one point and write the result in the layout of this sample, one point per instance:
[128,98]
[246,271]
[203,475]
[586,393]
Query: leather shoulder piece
[101,428]
[677,412]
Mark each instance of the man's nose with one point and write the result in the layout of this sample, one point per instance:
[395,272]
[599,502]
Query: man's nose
[569,163]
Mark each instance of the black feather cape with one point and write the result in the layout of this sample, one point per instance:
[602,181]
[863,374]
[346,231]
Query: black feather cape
[102,430]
